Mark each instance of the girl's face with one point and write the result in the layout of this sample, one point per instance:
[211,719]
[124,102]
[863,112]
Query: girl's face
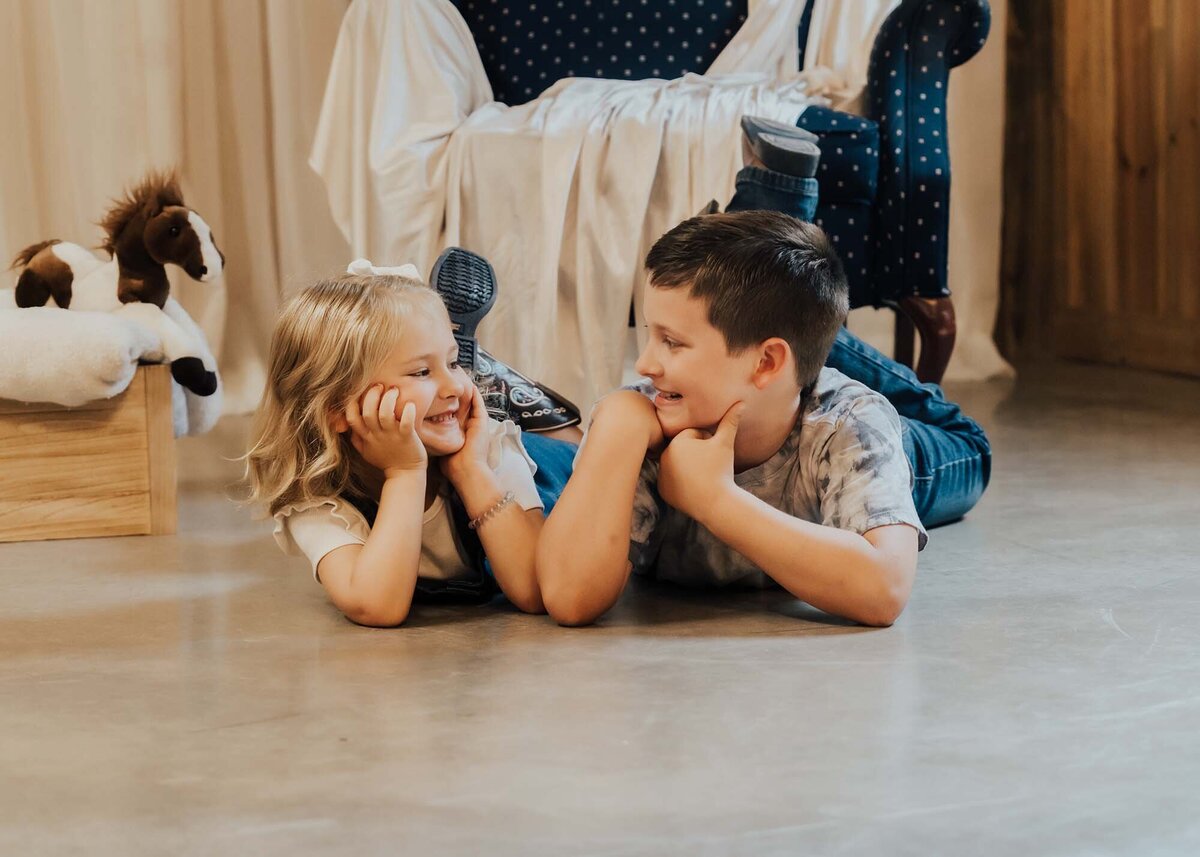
[421,366]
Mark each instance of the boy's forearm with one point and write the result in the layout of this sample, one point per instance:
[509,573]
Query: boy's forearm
[583,554]
[834,570]
[385,572]
[509,539]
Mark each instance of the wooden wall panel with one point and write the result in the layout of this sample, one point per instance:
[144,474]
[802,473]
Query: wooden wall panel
[1091,186]
[1114,89]
[1182,128]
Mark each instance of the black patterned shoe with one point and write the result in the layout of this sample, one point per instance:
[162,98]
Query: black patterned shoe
[509,395]
[467,284]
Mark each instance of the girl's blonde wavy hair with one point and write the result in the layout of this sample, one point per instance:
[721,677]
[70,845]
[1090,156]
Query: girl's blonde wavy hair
[328,341]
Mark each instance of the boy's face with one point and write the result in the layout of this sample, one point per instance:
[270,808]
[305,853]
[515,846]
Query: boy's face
[688,362]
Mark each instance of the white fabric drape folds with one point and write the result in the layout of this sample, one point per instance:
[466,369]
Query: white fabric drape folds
[565,194]
[230,91]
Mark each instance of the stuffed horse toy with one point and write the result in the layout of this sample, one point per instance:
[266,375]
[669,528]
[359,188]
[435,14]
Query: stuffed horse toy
[147,230]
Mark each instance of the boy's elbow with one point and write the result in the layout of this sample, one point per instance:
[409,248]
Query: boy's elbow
[884,606]
[572,615]
[568,600]
[568,607]
[881,615]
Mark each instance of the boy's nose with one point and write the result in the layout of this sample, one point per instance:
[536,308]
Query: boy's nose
[646,366]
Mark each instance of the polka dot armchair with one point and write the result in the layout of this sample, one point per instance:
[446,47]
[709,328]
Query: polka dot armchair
[884,177]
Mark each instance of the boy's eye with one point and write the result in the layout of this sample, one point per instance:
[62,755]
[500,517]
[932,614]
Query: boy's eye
[670,343]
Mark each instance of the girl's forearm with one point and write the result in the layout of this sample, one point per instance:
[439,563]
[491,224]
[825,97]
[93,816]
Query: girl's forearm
[509,539]
[385,573]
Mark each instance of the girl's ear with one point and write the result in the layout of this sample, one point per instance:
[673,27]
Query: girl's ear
[773,362]
[338,422]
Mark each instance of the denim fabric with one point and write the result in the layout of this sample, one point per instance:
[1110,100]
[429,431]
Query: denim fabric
[554,459]
[764,190]
[949,453]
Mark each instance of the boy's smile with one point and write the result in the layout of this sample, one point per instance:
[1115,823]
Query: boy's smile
[687,361]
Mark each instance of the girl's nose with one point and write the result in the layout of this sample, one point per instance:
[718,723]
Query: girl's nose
[455,385]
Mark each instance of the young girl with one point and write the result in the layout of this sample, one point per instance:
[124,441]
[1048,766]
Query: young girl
[374,454]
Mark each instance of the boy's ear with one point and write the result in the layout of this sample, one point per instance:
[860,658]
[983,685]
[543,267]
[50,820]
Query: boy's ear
[774,362]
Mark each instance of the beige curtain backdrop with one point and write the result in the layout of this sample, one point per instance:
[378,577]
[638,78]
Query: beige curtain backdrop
[98,91]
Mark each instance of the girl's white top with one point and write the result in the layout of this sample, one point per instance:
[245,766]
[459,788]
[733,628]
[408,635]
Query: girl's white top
[316,527]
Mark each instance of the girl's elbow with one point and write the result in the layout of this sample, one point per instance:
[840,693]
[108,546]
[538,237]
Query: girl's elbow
[528,602]
[374,616]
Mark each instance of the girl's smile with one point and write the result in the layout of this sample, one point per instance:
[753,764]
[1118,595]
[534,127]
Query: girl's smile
[422,367]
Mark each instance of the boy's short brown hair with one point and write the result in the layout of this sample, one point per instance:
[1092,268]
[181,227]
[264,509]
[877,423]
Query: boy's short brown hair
[763,274]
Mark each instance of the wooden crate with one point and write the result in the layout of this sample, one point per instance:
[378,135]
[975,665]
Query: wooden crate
[106,468]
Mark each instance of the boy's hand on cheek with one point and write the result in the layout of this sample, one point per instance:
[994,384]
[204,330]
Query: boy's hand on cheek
[697,465]
[472,459]
[384,442]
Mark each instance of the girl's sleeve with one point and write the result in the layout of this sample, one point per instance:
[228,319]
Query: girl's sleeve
[512,464]
[317,527]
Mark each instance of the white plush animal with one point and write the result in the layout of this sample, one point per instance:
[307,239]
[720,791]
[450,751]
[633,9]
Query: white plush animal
[147,230]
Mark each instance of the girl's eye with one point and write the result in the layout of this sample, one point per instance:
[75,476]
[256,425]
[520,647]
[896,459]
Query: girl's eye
[420,373]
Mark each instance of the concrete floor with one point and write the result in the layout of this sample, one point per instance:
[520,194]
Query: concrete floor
[196,694]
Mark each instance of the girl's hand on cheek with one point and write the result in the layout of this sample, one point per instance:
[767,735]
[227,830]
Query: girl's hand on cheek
[384,442]
[464,409]
[473,457]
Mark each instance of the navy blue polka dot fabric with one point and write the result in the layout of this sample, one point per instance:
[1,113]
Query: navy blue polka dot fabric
[848,177]
[910,65]
[525,47]
[849,225]
[884,180]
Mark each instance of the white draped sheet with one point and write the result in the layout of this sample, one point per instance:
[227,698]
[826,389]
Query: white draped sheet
[564,194]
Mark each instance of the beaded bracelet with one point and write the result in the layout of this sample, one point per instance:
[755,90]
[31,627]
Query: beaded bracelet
[476,523]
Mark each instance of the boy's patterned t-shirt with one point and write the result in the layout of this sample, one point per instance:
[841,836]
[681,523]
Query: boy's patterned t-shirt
[843,466]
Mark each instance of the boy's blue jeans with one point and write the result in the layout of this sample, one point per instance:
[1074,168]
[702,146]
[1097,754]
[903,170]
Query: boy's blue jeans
[949,453]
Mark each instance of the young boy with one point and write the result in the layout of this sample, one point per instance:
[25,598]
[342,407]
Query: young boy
[742,461]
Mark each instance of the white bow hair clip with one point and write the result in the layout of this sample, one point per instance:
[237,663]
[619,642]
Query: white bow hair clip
[364,268]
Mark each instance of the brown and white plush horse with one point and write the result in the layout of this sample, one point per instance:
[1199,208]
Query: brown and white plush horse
[147,230]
